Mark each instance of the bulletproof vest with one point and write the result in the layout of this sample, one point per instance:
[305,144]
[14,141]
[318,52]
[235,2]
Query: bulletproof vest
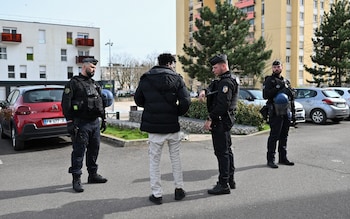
[89,105]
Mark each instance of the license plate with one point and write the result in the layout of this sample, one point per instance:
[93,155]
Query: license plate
[341,105]
[54,121]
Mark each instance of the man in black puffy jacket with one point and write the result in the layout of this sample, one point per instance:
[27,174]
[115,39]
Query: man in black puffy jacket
[163,95]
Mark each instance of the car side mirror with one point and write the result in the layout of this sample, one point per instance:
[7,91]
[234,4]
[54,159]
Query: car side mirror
[250,98]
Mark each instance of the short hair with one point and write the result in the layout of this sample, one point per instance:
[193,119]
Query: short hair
[90,60]
[165,58]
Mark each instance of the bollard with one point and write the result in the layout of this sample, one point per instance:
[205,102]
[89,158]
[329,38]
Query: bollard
[117,115]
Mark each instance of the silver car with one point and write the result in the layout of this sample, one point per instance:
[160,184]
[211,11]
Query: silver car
[344,92]
[321,104]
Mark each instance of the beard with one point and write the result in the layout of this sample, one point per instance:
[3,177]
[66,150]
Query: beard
[277,72]
[89,73]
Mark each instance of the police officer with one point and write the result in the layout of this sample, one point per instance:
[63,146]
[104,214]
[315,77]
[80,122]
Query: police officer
[82,106]
[275,90]
[221,103]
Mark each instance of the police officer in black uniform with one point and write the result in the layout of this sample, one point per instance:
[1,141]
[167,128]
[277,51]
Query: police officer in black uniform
[221,103]
[279,117]
[82,106]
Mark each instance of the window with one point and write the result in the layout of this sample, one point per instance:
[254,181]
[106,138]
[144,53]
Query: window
[69,38]
[3,53]
[263,9]
[30,54]
[63,55]
[287,59]
[42,71]
[23,71]
[288,31]
[12,30]
[11,71]
[301,16]
[83,35]
[42,36]
[83,53]
[288,2]
[315,4]
[69,72]
[301,44]
[301,59]
[315,18]
[301,2]
[288,45]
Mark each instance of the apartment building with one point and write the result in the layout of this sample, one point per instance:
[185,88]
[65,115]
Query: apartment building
[43,53]
[286,25]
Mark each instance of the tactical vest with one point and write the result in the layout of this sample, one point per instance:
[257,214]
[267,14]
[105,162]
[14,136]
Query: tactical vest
[212,93]
[89,105]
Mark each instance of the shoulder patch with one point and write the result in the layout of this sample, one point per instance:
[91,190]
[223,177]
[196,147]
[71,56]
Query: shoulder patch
[67,90]
[225,89]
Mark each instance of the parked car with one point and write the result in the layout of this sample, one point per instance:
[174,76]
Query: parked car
[32,112]
[255,96]
[321,104]
[344,92]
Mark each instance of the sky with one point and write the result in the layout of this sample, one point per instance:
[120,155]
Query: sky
[137,28]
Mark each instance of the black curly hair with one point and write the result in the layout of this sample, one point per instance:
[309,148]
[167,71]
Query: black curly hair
[166,58]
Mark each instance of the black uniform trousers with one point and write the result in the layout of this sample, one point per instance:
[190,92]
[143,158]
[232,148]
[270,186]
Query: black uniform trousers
[279,128]
[223,152]
[87,139]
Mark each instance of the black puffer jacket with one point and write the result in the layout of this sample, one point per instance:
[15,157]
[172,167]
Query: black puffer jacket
[163,95]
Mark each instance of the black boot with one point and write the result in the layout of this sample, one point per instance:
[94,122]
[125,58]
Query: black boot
[232,183]
[285,161]
[219,190]
[271,160]
[77,183]
[96,178]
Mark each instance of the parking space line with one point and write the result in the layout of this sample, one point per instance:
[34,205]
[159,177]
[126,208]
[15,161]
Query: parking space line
[1,162]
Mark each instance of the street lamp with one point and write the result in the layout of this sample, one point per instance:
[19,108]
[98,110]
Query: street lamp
[110,44]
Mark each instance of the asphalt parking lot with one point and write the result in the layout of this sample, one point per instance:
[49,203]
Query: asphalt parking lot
[35,184]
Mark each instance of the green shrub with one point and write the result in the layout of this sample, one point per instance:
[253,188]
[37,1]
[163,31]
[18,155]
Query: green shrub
[198,110]
[245,114]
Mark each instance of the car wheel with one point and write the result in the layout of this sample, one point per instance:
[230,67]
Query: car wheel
[16,144]
[318,116]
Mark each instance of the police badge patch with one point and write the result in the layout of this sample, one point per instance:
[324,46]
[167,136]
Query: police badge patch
[67,90]
[225,89]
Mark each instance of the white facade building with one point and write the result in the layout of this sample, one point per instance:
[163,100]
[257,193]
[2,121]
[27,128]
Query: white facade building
[42,53]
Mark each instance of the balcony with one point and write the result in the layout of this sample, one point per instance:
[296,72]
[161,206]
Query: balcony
[79,59]
[84,42]
[245,3]
[11,37]
[250,15]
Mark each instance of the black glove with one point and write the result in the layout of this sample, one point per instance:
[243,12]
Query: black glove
[103,126]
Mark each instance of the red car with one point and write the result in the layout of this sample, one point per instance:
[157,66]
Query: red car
[32,112]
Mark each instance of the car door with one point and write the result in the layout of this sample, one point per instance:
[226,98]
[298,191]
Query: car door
[305,98]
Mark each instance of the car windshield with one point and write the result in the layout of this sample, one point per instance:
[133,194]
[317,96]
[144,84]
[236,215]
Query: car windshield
[45,95]
[257,94]
[330,93]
